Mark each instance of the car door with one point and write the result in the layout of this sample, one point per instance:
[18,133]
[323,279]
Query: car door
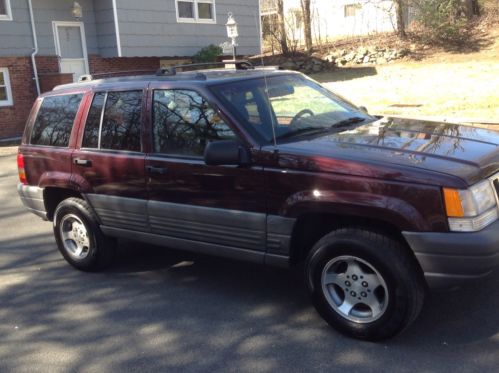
[108,164]
[215,209]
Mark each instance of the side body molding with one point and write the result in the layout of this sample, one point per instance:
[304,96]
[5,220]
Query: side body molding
[231,233]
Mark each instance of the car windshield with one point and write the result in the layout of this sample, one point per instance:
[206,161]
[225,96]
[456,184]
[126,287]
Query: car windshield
[288,105]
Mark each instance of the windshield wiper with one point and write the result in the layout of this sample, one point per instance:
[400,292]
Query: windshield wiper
[316,130]
[302,131]
[348,121]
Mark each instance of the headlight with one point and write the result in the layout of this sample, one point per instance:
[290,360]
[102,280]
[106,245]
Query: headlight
[471,209]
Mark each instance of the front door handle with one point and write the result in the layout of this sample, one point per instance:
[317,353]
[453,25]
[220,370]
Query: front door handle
[82,162]
[156,170]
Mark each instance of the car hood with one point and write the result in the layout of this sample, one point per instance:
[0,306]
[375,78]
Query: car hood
[466,152]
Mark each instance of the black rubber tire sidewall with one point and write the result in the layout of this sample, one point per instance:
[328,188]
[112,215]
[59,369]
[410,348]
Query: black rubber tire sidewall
[101,248]
[401,277]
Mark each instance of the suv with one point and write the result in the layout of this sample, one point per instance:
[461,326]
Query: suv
[268,166]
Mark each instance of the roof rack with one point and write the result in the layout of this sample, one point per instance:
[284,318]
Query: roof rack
[238,64]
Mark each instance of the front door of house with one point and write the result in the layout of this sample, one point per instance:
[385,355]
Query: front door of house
[71,48]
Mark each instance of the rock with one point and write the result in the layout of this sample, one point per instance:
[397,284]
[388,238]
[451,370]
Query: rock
[362,51]
[341,61]
[381,60]
[366,59]
[317,68]
[349,57]
[289,65]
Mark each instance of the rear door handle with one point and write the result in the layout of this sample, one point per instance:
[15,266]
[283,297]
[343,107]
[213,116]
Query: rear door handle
[156,170]
[82,162]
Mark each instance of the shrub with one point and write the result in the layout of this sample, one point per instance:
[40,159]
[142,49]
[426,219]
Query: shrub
[442,21]
[207,54]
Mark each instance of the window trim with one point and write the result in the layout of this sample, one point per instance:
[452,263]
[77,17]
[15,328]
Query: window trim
[196,18]
[8,88]
[8,15]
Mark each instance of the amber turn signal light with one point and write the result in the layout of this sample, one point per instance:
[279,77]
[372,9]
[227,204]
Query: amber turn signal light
[453,205]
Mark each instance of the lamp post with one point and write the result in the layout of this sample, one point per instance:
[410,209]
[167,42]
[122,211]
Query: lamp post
[232,33]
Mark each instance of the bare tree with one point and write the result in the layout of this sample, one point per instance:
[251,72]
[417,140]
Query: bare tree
[307,24]
[399,10]
[282,27]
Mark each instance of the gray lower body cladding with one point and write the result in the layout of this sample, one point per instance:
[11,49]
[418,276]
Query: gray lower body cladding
[452,258]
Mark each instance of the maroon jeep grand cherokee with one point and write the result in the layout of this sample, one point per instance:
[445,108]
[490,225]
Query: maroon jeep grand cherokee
[267,166]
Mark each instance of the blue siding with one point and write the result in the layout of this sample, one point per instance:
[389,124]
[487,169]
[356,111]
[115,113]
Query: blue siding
[147,27]
[150,28]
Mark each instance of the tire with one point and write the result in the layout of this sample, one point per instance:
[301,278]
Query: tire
[79,237]
[364,284]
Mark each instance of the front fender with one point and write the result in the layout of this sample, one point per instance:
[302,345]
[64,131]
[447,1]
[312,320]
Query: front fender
[392,210]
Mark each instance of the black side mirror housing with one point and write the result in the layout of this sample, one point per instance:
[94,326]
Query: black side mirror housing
[226,152]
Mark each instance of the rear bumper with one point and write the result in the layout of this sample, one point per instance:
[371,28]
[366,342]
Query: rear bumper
[32,198]
[452,258]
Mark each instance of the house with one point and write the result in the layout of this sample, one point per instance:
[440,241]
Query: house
[46,42]
[333,19]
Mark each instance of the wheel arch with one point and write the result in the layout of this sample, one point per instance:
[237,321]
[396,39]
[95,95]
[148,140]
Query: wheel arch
[52,196]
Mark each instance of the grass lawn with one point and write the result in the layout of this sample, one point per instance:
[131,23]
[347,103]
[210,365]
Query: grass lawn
[444,86]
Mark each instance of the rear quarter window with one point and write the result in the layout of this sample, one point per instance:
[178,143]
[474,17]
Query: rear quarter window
[54,120]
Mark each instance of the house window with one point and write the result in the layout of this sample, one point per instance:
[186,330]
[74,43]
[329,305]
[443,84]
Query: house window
[351,10]
[5,88]
[200,11]
[5,12]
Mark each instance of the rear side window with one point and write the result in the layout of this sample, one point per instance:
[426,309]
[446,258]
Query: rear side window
[121,124]
[118,128]
[55,119]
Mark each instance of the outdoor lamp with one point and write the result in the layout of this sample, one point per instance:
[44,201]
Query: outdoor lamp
[76,11]
[231,27]
[232,33]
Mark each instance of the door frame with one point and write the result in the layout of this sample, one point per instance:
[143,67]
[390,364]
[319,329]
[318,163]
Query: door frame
[55,25]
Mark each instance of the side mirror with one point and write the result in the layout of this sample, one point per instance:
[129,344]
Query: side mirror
[226,152]
[364,109]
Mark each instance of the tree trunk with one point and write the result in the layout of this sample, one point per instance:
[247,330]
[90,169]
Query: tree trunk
[399,9]
[307,24]
[282,27]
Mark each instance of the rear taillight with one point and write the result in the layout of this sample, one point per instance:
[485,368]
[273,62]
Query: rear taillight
[20,169]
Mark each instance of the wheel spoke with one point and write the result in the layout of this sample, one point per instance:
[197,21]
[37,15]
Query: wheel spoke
[346,307]
[68,235]
[373,303]
[335,278]
[353,268]
[372,280]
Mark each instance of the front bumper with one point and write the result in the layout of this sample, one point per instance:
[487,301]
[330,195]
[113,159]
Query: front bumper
[32,199]
[453,258]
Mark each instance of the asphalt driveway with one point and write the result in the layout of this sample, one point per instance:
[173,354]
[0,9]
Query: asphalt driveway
[162,310]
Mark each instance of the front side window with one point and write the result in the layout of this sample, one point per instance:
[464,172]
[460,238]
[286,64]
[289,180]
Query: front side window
[202,11]
[184,122]
[5,88]
[286,105]
[54,120]
[5,11]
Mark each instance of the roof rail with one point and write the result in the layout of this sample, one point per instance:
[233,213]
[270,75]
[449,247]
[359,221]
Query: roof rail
[239,65]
